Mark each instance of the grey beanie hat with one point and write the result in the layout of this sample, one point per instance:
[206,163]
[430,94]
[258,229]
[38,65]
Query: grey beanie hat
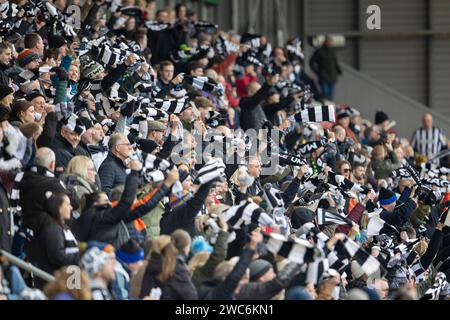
[258,268]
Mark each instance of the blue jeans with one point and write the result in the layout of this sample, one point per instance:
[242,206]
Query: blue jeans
[327,89]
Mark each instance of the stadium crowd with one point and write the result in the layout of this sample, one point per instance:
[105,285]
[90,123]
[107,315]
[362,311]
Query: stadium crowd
[153,155]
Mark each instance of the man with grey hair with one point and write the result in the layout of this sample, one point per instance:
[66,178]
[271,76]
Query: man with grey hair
[112,172]
[36,182]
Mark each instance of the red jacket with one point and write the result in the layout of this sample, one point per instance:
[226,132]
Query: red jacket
[243,83]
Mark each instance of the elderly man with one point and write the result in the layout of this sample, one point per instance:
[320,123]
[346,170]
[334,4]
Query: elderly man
[35,183]
[157,131]
[112,172]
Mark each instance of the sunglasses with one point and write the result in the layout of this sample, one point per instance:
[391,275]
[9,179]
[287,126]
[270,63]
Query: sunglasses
[347,170]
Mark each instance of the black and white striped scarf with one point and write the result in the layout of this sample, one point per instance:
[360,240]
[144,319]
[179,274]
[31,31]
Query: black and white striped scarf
[156,26]
[171,106]
[254,40]
[245,214]
[201,83]
[295,49]
[112,56]
[295,250]
[376,224]
[367,262]
[225,47]
[439,290]
[8,10]
[329,217]
[212,170]
[315,114]
[201,24]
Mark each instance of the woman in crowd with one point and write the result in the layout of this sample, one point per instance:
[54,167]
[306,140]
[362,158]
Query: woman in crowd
[81,175]
[56,245]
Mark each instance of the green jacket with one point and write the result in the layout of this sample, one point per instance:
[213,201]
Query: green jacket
[383,168]
[219,254]
[152,220]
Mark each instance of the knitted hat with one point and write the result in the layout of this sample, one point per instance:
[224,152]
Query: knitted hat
[130,252]
[93,261]
[56,41]
[258,268]
[5,91]
[381,117]
[26,56]
[147,146]
[199,244]
[386,197]
[89,67]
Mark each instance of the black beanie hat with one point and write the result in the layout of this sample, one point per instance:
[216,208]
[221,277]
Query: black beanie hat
[380,117]
[300,216]
[183,175]
[147,146]
[86,122]
[5,91]
[56,41]
[386,196]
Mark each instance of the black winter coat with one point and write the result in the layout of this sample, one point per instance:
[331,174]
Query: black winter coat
[112,173]
[400,217]
[48,131]
[178,287]
[4,79]
[5,221]
[32,197]
[107,224]
[64,152]
[183,217]
[252,114]
[53,250]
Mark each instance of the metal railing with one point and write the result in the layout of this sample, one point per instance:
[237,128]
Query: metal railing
[27,267]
